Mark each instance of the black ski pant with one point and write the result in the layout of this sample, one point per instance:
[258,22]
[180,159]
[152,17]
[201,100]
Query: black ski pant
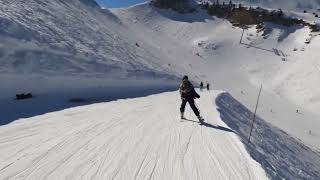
[192,105]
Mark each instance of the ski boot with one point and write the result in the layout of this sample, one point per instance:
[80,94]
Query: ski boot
[182,116]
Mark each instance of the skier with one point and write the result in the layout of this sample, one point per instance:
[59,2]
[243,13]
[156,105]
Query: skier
[188,94]
[201,86]
[208,86]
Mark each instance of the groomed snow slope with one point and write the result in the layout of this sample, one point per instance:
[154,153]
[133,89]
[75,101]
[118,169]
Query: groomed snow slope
[140,138]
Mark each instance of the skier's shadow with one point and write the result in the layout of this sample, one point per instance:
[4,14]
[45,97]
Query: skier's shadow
[210,125]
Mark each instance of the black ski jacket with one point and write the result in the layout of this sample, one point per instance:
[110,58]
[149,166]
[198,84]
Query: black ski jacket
[187,90]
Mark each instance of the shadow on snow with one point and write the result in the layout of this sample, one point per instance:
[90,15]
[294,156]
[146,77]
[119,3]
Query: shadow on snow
[281,156]
[198,15]
[210,125]
[12,110]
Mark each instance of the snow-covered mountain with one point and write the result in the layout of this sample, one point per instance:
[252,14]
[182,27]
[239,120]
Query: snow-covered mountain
[69,38]
[71,53]
[208,49]
[57,43]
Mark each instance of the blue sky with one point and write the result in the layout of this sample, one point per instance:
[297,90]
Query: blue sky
[118,3]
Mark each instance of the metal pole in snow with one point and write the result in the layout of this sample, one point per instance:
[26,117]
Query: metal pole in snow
[241,35]
[254,115]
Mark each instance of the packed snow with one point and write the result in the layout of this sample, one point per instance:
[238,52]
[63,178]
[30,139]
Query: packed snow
[144,138]
[141,138]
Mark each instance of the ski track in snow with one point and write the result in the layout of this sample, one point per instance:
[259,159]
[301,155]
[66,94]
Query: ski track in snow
[140,138]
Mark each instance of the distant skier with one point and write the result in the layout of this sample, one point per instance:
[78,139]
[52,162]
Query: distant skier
[188,94]
[208,86]
[201,86]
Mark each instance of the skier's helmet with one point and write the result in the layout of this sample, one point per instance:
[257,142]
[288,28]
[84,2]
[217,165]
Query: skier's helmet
[185,78]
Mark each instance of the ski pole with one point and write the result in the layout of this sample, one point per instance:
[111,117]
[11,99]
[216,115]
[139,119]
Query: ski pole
[241,35]
[254,115]
[197,107]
